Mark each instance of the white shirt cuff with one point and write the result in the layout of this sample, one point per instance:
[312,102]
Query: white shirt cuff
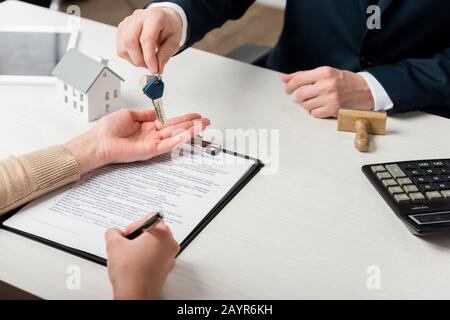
[182,14]
[381,98]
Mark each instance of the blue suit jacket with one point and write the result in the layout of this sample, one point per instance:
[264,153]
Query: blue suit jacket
[409,55]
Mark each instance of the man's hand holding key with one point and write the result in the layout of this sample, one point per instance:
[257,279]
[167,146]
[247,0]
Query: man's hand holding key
[150,37]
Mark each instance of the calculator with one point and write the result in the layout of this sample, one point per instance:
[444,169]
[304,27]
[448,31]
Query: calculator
[417,191]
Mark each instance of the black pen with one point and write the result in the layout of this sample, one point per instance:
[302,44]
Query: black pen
[148,224]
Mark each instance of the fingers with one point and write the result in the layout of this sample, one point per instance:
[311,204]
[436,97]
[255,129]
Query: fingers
[171,131]
[165,52]
[133,45]
[313,104]
[120,47]
[182,136]
[307,92]
[112,236]
[287,77]
[149,38]
[304,78]
[301,79]
[322,113]
[164,234]
[131,227]
[146,115]
[137,39]
[131,39]
[178,120]
[149,42]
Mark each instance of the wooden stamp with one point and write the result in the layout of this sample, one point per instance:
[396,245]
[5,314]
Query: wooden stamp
[363,123]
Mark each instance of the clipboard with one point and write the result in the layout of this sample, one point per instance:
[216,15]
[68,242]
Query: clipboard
[207,147]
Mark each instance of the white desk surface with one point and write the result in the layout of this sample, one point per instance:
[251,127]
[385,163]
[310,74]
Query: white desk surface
[310,231]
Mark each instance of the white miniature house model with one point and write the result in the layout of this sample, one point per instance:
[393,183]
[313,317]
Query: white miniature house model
[87,86]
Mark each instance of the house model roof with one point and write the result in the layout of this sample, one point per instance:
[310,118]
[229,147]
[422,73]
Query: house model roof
[79,70]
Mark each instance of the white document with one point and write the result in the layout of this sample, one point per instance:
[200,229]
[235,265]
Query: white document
[184,189]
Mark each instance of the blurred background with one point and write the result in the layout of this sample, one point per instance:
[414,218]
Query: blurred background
[261,24]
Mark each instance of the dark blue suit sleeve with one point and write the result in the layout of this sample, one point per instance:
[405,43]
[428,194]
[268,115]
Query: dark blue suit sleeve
[417,84]
[206,15]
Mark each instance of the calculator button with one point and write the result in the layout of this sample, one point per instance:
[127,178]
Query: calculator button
[383,175]
[395,171]
[434,195]
[444,171]
[423,164]
[420,180]
[417,196]
[401,198]
[417,172]
[409,165]
[438,164]
[410,189]
[428,187]
[443,185]
[432,171]
[446,194]
[436,178]
[395,190]
[376,169]
[404,181]
[389,183]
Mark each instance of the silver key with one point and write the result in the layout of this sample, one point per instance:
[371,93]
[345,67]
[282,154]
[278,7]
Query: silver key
[159,108]
[154,89]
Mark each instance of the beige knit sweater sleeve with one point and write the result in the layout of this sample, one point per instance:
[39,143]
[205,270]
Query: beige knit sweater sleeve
[29,176]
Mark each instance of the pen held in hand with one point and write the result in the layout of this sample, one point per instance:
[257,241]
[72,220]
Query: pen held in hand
[145,226]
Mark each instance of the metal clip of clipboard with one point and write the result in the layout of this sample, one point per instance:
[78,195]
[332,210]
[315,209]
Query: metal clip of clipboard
[208,147]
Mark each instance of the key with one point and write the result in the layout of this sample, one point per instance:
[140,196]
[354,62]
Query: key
[383,175]
[395,190]
[434,195]
[376,169]
[438,164]
[417,196]
[395,171]
[404,181]
[425,179]
[154,89]
[418,172]
[410,165]
[423,164]
[410,189]
[389,183]
[401,198]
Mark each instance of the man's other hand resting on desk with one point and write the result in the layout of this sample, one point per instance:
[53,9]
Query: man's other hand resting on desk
[139,267]
[325,90]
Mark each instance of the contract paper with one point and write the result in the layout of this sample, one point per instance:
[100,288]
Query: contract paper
[185,189]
